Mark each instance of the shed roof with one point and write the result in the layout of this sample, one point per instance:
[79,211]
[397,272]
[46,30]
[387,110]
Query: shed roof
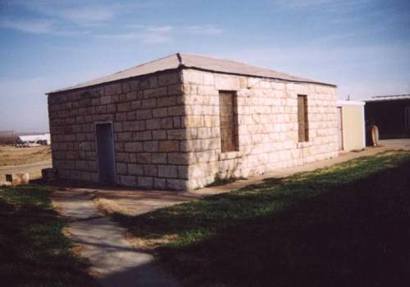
[176,61]
[389,98]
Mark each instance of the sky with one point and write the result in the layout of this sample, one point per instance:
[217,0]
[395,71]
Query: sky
[362,46]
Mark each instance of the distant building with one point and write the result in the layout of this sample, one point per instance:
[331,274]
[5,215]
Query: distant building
[33,140]
[183,121]
[391,114]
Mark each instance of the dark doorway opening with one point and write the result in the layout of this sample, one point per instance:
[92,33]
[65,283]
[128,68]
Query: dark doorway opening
[105,153]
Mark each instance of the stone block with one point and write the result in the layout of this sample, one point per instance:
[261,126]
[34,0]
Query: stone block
[150,170]
[112,89]
[160,183]
[149,103]
[176,184]
[226,82]
[159,158]
[176,111]
[135,169]
[168,78]
[177,158]
[166,123]
[177,134]
[155,93]
[145,182]
[168,146]
[153,124]
[168,171]
[192,76]
[122,168]
[105,100]
[133,147]
[160,113]
[151,146]
[159,135]
[174,89]
[144,114]
[127,180]
[143,157]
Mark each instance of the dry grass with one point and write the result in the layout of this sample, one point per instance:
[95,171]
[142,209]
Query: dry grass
[108,206]
[10,155]
[150,243]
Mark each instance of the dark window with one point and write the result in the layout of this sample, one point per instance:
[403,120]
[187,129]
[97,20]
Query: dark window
[303,124]
[407,117]
[228,121]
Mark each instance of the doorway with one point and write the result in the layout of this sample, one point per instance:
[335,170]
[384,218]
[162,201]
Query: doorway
[105,153]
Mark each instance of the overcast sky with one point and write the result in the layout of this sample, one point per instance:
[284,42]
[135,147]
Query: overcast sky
[363,46]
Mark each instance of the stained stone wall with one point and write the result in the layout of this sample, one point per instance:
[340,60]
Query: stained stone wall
[147,115]
[167,133]
[267,123]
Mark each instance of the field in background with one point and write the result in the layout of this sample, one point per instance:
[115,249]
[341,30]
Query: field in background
[10,155]
[21,160]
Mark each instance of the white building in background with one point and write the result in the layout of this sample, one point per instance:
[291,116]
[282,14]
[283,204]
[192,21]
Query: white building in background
[33,140]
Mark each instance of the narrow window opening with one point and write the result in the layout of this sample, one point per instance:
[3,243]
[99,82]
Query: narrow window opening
[228,117]
[303,123]
[407,117]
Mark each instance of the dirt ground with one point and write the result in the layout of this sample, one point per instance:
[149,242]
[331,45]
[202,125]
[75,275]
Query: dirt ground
[10,155]
[19,160]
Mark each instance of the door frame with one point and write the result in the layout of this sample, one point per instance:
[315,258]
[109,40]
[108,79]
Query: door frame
[113,149]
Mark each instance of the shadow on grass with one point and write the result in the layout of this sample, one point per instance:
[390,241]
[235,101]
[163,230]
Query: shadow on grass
[348,225]
[33,249]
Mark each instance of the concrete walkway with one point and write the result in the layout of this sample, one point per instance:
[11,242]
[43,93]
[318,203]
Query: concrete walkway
[114,261]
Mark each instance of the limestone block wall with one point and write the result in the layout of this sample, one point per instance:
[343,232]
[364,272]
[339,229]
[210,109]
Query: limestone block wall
[148,117]
[267,125]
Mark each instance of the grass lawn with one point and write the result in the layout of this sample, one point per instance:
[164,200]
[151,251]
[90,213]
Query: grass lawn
[33,249]
[348,225]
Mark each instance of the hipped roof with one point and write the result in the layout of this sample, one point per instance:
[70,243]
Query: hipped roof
[178,60]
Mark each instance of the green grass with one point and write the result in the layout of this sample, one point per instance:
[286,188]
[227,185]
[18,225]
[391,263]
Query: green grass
[348,225]
[33,249]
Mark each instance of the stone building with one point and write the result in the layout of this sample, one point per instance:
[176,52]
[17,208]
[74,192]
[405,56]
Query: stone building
[183,121]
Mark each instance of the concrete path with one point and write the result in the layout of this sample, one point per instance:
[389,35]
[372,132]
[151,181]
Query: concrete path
[396,144]
[114,261]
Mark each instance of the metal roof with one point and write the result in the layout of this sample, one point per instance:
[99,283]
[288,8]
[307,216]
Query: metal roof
[350,103]
[388,98]
[33,138]
[176,61]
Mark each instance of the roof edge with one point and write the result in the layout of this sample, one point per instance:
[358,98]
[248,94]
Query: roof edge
[261,77]
[350,103]
[110,82]
[182,66]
